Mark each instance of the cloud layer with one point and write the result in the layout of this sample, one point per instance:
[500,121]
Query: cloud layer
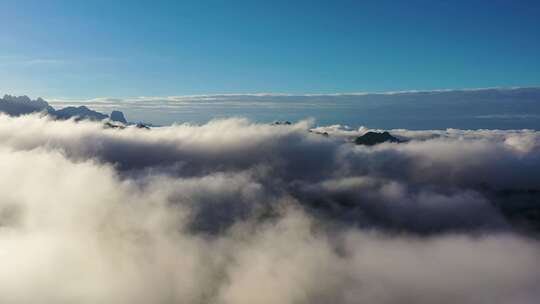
[506,108]
[237,212]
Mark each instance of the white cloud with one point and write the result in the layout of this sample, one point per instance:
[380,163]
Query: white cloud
[237,212]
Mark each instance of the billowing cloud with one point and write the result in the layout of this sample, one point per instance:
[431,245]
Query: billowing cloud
[237,212]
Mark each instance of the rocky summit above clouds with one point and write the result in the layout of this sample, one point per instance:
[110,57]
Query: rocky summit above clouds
[21,105]
[80,112]
[372,138]
[118,116]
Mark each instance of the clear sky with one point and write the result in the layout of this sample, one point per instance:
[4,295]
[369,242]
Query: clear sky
[84,49]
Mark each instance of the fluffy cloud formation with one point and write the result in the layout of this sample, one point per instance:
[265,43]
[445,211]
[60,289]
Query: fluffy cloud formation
[237,212]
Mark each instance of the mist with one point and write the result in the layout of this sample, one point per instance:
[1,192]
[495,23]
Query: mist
[233,211]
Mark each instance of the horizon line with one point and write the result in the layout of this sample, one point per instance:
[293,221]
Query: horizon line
[272,94]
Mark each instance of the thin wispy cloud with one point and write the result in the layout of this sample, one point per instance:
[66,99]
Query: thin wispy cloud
[24,62]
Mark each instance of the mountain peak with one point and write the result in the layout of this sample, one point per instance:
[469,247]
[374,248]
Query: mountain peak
[373,138]
[118,116]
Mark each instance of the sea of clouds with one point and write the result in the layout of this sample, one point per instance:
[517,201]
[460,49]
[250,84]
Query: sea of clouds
[238,212]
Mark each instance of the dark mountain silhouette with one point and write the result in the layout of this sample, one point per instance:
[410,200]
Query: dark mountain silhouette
[374,138]
[21,105]
[118,116]
[81,112]
[320,133]
[109,125]
[278,123]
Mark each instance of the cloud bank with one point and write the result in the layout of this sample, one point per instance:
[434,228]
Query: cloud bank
[489,108]
[237,212]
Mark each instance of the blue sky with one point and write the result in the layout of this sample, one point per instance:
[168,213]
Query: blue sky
[85,49]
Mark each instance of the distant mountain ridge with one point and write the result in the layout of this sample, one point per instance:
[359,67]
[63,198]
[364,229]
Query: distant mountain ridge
[81,112]
[21,105]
